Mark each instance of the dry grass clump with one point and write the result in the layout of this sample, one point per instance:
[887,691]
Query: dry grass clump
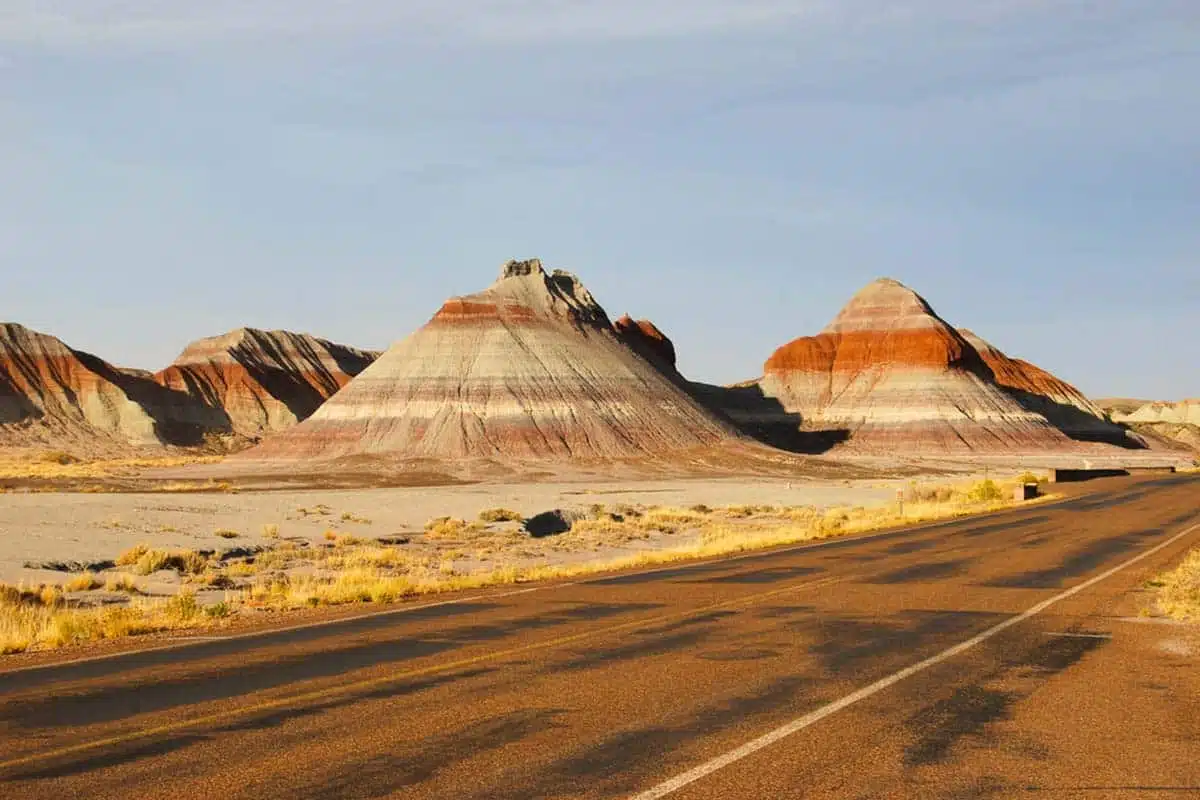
[121,583]
[348,517]
[83,582]
[391,558]
[52,464]
[500,515]
[226,533]
[1179,589]
[608,530]
[450,528]
[270,531]
[744,511]
[367,585]
[38,619]
[145,560]
[188,487]
[212,579]
[675,516]
[627,524]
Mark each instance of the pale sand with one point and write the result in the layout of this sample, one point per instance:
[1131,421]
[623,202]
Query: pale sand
[96,527]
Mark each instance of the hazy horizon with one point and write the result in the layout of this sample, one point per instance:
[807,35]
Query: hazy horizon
[734,171]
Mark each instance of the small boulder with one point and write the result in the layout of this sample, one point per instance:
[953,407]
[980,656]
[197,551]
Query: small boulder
[550,523]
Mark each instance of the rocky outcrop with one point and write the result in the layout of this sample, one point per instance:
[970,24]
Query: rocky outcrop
[1037,390]
[645,337]
[1173,423]
[1184,412]
[262,381]
[530,368]
[890,376]
[53,395]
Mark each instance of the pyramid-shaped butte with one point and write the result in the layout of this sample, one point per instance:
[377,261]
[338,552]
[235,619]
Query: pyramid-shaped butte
[529,368]
[888,375]
[264,381]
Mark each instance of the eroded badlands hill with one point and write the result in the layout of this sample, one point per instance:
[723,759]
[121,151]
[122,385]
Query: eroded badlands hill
[1177,422]
[889,376]
[221,391]
[530,368]
[1037,390]
[263,381]
[52,395]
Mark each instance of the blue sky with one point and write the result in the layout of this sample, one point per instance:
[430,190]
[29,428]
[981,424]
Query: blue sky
[732,170]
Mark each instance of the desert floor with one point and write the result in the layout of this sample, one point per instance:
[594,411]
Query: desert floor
[69,527]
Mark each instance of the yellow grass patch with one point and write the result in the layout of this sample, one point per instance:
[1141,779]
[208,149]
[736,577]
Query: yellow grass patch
[56,464]
[121,583]
[1179,589]
[28,622]
[83,582]
[450,528]
[145,560]
[500,515]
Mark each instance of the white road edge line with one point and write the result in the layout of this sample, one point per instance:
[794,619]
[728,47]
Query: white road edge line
[707,768]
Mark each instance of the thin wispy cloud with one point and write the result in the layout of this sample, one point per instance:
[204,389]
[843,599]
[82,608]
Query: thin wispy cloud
[73,23]
[99,22]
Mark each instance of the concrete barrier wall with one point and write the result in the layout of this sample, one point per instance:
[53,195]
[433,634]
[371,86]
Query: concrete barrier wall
[1150,470]
[1073,475]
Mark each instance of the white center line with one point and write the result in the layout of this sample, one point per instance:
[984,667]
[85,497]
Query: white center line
[749,748]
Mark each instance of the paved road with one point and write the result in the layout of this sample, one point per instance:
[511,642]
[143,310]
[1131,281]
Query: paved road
[993,657]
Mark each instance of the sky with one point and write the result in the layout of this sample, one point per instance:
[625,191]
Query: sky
[732,169]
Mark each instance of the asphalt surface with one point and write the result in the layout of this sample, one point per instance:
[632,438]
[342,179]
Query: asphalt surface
[994,657]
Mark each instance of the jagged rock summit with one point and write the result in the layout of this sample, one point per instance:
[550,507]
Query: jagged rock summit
[645,337]
[51,395]
[530,368]
[888,375]
[263,381]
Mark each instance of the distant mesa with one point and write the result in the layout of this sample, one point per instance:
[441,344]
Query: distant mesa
[263,381]
[530,368]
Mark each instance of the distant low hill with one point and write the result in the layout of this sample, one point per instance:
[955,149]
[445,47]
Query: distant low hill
[230,389]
